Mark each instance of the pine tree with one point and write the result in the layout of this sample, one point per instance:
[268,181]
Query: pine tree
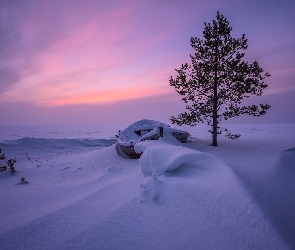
[218,79]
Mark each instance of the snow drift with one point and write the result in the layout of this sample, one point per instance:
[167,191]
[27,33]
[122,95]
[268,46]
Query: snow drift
[167,154]
[172,198]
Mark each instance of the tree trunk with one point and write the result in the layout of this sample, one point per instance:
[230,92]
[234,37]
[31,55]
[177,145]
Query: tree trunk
[215,100]
[215,116]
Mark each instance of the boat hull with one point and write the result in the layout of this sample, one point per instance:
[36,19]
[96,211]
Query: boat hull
[130,152]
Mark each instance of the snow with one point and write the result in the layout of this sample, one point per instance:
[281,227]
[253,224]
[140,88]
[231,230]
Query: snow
[160,157]
[128,135]
[82,195]
[147,127]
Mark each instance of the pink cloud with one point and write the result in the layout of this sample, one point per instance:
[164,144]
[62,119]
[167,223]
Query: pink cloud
[69,52]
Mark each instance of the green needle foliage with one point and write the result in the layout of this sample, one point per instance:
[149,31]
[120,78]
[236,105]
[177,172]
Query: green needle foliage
[218,79]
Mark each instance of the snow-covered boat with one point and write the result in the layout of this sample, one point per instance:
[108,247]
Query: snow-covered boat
[144,130]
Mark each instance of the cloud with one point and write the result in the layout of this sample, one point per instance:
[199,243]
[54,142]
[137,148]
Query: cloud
[69,43]
[9,77]
[125,112]
[71,89]
[120,113]
[60,53]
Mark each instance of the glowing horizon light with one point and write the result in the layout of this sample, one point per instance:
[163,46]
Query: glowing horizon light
[107,96]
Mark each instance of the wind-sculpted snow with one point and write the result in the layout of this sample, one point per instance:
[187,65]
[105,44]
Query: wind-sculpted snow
[172,198]
[157,158]
[206,191]
[168,157]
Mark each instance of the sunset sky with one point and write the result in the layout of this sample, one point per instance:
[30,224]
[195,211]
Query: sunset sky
[105,62]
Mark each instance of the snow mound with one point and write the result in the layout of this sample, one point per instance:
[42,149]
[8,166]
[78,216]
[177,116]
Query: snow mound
[167,158]
[167,155]
[151,188]
[142,130]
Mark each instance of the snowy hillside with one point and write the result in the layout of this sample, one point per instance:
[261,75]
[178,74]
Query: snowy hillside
[82,195]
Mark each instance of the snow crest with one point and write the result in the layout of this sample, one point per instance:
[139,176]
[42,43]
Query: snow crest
[167,154]
[167,157]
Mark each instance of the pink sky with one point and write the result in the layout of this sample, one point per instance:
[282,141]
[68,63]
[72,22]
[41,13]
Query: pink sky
[85,62]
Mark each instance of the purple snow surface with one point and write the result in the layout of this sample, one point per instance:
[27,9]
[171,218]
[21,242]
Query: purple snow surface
[82,195]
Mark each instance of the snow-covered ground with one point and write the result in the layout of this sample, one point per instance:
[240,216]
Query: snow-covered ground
[82,195]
